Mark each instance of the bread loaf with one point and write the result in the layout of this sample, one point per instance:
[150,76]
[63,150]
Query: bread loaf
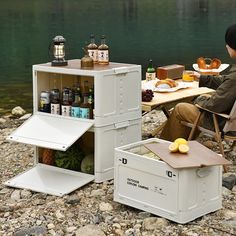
[214,63]
[166,83]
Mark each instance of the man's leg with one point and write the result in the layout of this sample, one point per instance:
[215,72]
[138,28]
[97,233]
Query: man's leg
[173,128]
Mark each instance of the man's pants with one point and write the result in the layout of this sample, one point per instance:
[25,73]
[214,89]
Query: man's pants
[173,128]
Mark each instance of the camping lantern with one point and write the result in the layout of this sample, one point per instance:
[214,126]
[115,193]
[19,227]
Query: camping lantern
[59,51]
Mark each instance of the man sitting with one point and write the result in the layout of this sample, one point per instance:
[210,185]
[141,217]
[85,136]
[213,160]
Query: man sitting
[221,101]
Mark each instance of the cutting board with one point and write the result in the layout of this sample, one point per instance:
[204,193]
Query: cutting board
[198,155]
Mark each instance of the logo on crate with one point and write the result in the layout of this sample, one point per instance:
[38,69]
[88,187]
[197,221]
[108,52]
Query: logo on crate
[170,174]
[123,160]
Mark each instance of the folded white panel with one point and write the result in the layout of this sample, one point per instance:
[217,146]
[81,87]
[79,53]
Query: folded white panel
[51,131]
[49,179]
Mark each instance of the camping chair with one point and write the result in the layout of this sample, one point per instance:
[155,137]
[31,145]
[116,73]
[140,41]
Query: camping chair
[229,126]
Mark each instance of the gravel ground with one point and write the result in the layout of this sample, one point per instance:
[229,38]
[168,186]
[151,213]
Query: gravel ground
[91,209]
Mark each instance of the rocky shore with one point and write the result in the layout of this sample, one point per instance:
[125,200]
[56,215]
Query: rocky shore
[91,211]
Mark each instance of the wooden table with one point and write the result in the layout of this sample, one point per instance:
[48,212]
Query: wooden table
[163,100]
[182,94]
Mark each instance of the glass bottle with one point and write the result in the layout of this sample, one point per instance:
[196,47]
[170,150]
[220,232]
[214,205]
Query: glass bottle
[55,101]
[93,49]
[91,101]
[103,52]
[65,106]
[150,72]
[84,107]
[75,107]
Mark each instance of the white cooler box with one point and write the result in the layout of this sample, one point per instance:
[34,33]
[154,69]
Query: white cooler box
[180,195]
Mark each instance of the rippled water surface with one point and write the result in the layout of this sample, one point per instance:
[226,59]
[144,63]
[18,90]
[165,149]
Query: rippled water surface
[168,31]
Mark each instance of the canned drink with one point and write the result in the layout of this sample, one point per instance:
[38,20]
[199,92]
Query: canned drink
[44,104]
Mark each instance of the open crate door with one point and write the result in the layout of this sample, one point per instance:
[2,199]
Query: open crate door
[49,179]
[51,131]
[54,132]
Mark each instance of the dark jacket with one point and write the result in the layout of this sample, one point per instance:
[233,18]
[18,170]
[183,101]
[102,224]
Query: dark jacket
[222,100]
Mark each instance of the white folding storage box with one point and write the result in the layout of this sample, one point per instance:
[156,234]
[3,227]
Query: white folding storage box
[146,182]
[116,122]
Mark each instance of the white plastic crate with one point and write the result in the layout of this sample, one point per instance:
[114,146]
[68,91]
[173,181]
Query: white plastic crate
[117,88]
[117,121]
[180,195]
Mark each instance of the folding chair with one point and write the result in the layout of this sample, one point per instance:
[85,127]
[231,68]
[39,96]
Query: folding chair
[229,126]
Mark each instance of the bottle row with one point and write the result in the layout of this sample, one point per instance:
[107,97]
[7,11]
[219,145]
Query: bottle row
[94,54]
[69,102]
[99,54]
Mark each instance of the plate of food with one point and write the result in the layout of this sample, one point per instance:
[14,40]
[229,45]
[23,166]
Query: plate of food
[166,85]
[209,65]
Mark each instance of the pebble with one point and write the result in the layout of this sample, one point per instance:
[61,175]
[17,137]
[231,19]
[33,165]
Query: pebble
[71,229]
[2,120]
[97,193]
[226,192]
[35,230]
[15,195]
[116,225]
[90,230]
[25,194]
[73,200]
[51,226]
[119,232]
[105,206]
[4,191]
[59,215]
[25,117]
[18,111]
[152,223]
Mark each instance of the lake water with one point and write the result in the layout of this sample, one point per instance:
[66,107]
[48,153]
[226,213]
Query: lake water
[168,31]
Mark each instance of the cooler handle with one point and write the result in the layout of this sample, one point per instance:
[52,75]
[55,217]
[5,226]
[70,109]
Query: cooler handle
[203,172]
[122,125]
[121,70]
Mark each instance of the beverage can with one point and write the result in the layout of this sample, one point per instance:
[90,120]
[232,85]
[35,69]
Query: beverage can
[44,104]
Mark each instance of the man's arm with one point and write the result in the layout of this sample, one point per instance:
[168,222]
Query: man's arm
[210,81]
[224,97]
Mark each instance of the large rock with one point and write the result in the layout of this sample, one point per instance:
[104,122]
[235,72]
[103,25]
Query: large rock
[229,181]
[35,230]
[90,230]
[18,111]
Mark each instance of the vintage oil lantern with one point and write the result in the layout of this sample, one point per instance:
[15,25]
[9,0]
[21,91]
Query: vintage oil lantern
[58,50]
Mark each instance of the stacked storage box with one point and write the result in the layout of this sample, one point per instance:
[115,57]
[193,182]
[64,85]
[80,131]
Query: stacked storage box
[116,122]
